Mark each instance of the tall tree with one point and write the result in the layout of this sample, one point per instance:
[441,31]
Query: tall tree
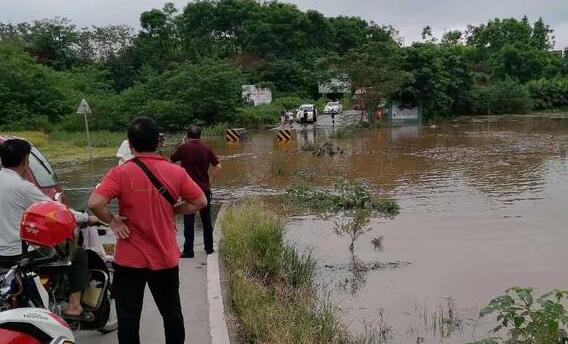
[542,38]
[376,70]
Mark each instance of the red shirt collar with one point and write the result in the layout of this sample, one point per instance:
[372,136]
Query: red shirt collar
[149,156]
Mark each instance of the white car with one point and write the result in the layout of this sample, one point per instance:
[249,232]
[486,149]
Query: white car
[307,113]
[333,108]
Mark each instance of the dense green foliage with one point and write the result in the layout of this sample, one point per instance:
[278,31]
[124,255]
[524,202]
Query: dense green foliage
[186,66]
[548,94]
[527,320]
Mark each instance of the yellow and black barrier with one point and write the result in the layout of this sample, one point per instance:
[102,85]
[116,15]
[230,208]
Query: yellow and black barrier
[233,135]
[284,135]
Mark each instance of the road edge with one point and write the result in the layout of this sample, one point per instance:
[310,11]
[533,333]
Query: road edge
[217,320]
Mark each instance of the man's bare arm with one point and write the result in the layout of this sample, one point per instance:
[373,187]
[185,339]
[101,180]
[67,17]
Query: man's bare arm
[190,207]
[99,206]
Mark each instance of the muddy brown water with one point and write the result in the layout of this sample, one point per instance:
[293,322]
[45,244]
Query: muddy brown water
[483,208]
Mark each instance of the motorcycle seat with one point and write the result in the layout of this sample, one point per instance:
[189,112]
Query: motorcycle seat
[53,267]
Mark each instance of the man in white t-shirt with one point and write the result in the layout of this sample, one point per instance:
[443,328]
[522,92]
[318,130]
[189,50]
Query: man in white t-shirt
[124,152]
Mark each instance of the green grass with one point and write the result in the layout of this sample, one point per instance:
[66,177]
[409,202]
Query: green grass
[65,147]
[345,195]
[271,285]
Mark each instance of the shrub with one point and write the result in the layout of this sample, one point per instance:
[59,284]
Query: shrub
[549,94]
[501,97]
[344,195]
[267,114]
[218,129]
[530,321]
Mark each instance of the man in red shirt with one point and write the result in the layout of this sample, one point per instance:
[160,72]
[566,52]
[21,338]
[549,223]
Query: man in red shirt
[147,188]
[196,157]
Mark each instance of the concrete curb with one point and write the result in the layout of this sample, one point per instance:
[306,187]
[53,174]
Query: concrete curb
[217,320]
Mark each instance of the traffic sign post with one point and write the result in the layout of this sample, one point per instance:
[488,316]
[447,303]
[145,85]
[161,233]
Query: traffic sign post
[85,109]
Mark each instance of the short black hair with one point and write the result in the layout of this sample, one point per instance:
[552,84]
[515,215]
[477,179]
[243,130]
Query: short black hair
[14,151]
[143,134]
[194,131]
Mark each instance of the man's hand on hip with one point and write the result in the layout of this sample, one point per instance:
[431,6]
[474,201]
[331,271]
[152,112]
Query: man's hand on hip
[119,227]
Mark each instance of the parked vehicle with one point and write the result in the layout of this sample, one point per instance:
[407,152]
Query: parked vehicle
[42,282]
[307,113]
[333,108]
[34,326]
[41,173]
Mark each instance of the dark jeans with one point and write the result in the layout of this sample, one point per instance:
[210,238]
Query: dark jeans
[128,290]
[189,227]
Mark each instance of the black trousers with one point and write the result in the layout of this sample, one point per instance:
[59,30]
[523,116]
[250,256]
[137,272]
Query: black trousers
[128,290]
[189,227]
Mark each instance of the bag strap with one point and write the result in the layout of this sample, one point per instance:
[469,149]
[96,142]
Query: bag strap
[162,190]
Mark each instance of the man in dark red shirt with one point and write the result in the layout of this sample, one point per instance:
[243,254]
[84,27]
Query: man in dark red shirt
[146,249]
[196,158]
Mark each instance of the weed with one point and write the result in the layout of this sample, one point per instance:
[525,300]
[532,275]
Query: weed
[276,169]
[345,195]
[379,332]
[443,321]
[378,243]
[319,150]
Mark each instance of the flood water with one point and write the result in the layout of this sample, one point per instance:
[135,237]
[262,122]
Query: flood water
[483,208]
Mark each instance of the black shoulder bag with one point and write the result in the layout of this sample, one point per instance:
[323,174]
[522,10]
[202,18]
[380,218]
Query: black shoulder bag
[162,190]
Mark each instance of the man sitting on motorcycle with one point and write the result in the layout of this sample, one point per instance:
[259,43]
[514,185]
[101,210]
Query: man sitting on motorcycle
[16,195]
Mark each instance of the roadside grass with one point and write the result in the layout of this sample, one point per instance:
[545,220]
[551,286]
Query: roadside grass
[345,195]
[218,129]
[271,285]
[66,147]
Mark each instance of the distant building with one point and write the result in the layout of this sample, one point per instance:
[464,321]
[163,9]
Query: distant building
[558,52]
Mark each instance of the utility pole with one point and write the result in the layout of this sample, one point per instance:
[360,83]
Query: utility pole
[85,109]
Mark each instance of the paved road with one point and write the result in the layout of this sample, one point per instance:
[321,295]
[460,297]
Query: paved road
[193,292]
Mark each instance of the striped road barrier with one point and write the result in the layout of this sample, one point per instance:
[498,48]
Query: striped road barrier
[284,135]
[234,135]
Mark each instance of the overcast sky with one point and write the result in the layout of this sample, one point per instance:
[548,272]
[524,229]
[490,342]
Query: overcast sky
[408,16]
